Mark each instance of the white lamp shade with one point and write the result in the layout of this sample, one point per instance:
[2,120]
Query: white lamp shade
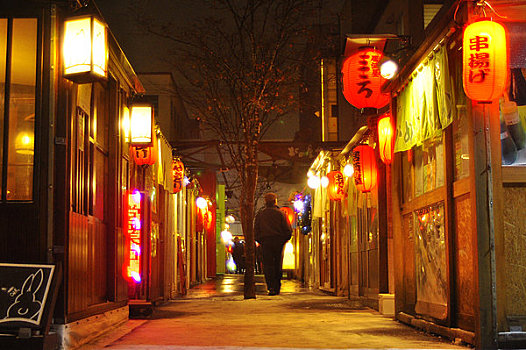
[85,50]
[141,125]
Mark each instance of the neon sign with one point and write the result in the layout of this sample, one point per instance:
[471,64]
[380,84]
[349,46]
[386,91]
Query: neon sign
[132,268]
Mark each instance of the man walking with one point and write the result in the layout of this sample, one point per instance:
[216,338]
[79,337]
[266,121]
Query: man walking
[272,230]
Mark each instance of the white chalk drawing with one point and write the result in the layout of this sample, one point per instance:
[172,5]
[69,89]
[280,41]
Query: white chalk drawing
[28,306]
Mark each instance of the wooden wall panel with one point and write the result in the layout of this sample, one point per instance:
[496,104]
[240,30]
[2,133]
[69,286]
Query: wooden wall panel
[409,280]
[515,255]
[464,294]
[98,262]
[77,268]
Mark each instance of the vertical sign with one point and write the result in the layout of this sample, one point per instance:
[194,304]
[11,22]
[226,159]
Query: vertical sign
[133,218]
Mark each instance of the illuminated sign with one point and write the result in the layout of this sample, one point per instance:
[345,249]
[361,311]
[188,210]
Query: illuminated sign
[485,60]
[132,271]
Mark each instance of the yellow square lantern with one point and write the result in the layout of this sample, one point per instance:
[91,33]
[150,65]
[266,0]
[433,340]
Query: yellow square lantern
[141,125]
[85,49]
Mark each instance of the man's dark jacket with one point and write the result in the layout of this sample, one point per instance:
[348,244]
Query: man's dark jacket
[271,223]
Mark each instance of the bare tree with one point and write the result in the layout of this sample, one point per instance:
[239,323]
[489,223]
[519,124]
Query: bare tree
[241,72]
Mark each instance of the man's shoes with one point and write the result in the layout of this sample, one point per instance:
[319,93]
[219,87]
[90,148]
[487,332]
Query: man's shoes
[272,292]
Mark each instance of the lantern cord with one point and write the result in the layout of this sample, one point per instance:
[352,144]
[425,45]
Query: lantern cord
[484,3]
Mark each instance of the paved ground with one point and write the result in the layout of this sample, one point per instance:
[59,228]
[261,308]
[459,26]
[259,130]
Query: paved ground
[215,316]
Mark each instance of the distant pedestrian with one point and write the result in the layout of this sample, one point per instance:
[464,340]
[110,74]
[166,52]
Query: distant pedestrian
[238,253]
[272,230]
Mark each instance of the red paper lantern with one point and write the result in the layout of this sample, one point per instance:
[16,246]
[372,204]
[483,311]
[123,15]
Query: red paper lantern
[336,188]
[386,138]
[289,213]
[485,60]
[200,220]
[145,155]
[178,175]
[362,81]
[365,170]
[208,220]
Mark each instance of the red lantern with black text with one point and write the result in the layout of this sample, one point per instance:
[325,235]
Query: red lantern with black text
[362,82]
[386,138]
[485,60]
[336,188]
[145,155]
[365,170]
[289,213]
[178,175]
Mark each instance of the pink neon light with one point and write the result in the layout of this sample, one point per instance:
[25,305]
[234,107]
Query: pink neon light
[136,223]
[136,277]
[136,248]
[136,196]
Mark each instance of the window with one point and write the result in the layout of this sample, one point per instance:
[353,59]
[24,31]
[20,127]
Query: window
[18,47]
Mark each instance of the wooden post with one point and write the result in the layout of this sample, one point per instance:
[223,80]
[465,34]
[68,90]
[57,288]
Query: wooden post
[485,313]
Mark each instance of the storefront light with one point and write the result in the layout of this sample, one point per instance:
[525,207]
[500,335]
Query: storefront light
[348,170]
[230,219]
[201,203]
[313,182]
[299,206]
[388,68]
[324,181]
[85,49]
[125,123]
[24,143]
[226,236]
[141,125]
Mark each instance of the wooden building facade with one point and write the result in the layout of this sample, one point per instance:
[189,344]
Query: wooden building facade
[67,169]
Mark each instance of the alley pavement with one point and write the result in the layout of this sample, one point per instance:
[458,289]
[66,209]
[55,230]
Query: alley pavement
[214,315]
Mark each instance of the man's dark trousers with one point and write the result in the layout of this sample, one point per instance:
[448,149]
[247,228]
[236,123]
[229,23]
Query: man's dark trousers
[272,249]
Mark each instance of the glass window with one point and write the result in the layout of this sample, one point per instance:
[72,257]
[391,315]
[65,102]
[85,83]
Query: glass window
[22,109]
[430,255]
[461,143]
[429,167]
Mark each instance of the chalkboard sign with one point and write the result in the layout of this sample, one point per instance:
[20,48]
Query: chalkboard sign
[25,291]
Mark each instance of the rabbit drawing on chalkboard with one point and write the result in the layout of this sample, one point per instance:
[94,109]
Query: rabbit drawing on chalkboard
[25,305]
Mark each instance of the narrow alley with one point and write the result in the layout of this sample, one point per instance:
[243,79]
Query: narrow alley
[214,315]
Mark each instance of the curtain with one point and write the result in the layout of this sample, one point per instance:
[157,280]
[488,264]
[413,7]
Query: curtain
[425,105]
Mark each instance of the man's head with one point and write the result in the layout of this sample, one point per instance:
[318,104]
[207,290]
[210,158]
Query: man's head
[271,199]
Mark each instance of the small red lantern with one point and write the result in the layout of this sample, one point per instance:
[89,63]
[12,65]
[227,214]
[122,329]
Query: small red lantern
[145,155]
[200,220]
[362,82]
[365,170]
[386,138]
[485,60]
[208,220]
[289,213]
[178,175]
[336,188]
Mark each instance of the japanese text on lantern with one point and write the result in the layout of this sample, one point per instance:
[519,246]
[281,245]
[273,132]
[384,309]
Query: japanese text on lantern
[367,67]
[178,175]
[133,237]
[479,59]
[357,168]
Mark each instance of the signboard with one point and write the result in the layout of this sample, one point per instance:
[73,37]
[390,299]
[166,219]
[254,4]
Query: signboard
[133,221]
[25,292]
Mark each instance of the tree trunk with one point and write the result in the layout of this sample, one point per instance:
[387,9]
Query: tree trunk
[248,190]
